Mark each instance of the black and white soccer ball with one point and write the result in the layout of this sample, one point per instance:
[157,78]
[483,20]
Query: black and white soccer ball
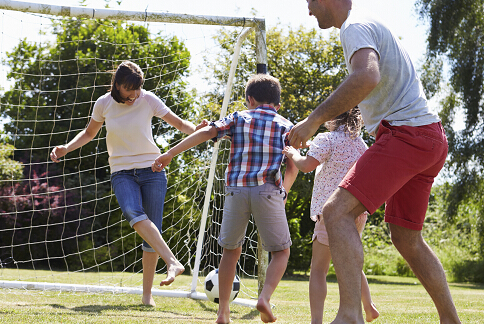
[211,286]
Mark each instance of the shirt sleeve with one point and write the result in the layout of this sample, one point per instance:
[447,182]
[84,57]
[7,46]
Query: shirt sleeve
[158,106]
[320,147]
[98,111]
[224,126]
[357,36]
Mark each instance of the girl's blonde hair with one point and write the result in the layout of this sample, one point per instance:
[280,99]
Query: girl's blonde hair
[350,119]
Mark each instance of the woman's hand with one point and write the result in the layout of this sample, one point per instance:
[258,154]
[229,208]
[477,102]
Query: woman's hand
[58,152]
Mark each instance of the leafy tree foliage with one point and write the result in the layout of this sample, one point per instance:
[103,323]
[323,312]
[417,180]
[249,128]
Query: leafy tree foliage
[55,87]
[457,33]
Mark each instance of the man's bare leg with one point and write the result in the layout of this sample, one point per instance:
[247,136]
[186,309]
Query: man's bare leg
[340,212]
[274,274]
[428,269]
[226,274]
[150,260]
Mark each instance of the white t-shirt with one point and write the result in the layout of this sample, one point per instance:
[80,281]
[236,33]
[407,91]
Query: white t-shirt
[129,137]
[336,152]
[399,97]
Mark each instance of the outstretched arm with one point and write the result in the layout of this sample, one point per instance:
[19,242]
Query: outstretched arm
[182,125]
[84,137]
[356,87]
[303,163]
[200,136]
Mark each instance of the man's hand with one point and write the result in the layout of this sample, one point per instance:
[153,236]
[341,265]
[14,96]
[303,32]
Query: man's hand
[302,132]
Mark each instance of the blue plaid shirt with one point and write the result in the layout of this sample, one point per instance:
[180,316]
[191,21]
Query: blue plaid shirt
[258,137]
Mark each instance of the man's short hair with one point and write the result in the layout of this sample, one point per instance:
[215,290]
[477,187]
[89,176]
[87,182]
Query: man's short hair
[264,88]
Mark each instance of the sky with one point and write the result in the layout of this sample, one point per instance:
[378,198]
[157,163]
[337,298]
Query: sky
[400,15]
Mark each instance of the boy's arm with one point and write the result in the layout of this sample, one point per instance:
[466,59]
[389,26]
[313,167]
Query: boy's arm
[303,163]
[290,175]
[198,137]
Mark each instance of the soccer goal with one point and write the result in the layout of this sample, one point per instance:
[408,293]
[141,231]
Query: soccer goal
[60,225]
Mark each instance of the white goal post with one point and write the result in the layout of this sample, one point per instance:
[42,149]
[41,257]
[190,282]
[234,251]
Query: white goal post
[247,26]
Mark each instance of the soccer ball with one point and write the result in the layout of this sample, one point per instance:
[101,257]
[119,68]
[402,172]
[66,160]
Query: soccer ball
[211,286]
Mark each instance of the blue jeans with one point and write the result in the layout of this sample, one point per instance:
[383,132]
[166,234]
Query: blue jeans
[141,195]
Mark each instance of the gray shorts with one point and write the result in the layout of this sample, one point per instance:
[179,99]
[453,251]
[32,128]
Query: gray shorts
[266,204]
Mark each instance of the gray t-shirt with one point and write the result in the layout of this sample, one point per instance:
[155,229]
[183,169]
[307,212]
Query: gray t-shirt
[399,97]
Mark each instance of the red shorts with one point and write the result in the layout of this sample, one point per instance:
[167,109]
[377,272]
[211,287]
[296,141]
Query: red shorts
[399,170]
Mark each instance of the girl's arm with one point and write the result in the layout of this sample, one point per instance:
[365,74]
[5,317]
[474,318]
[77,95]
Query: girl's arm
[303,163]
[182,125]
[84,137]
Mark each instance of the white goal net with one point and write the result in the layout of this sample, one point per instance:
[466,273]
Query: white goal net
[60,224]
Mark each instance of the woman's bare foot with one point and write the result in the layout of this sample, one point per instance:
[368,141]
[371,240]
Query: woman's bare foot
[223,317]
[371,313]
[148,301]
[264,307]
[173,271]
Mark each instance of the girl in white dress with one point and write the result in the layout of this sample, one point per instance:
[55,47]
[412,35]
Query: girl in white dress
[332,154]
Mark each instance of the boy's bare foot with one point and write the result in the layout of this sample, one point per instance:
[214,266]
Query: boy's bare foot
[223,317]
[264,307]
[371,313]
[148,301]
[173,271]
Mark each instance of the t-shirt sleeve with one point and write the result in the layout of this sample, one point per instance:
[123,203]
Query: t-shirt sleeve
[98,111]
[158,106]
[320,147]
[358,36]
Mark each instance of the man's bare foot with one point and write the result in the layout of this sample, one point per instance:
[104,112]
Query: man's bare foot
[173,271]
[223,317]
[371,313]
[148,301]
[264,307]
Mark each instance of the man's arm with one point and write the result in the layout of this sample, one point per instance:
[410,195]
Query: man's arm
[356,87]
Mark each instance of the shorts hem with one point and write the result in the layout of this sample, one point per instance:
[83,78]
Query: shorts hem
[148,249]
[403,223]
[359,195]
[230,246]
[275,248]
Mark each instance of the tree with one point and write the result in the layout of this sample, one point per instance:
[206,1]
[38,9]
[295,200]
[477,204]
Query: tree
[309,68]
[457,34]
[55,87]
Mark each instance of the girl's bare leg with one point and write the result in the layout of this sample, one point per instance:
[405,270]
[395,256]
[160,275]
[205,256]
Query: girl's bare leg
[318,288]
[369,307]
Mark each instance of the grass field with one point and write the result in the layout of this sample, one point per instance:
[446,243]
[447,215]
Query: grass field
[399,300]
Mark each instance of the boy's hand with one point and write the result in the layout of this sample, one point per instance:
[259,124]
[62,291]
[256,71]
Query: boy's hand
[57,153]
[161,162]
[202,124]
[290,151]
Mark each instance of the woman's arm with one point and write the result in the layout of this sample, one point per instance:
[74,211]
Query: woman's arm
[182,125]
[84,137]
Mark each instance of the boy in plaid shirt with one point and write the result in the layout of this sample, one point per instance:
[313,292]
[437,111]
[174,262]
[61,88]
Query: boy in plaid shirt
[254,186]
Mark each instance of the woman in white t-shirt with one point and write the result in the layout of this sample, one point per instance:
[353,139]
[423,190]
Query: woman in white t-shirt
[127,110]
[332,154]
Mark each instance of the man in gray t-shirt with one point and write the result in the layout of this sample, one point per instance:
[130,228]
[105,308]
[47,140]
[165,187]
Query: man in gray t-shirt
[398,170]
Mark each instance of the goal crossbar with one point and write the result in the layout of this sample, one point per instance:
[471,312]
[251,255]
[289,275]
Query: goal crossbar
[254,24]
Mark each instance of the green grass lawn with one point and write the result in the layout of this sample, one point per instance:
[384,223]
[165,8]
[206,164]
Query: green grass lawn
[399,300]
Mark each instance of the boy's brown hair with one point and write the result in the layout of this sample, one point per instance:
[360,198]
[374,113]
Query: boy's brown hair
[264,88]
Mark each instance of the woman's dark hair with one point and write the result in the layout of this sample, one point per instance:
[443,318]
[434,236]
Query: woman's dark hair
[128,74]
[350,119]
[264,88]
